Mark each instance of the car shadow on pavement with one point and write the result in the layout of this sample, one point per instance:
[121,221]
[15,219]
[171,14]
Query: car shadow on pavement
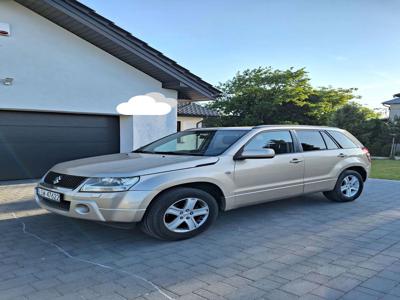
[18,206]
[244,214]
[77,235]
[81,236]
[89,232]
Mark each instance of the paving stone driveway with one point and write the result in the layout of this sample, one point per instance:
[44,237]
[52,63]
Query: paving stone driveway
[304,247]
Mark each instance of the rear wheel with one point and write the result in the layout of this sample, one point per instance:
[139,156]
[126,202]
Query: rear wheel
[180,213]
[348,187]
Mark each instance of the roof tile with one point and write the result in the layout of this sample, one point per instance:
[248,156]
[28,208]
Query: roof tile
[195,110]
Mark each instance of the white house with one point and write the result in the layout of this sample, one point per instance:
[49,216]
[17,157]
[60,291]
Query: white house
[63,71]
[394,106]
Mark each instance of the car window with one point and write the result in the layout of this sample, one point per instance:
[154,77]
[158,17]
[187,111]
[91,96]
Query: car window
[311,140]
[280,141]
[342,140]
[223,140]
[328,141]
[196,142]
[189,142]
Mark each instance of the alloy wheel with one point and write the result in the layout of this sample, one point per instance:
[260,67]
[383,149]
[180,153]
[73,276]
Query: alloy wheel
[186,215]
[350,186]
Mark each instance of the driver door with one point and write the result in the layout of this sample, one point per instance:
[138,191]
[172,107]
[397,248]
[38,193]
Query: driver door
[264,179]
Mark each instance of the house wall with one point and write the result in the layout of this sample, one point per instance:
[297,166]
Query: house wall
[394,111]
[56,71]
[189,122]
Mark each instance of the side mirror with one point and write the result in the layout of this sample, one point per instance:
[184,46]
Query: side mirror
[255,154]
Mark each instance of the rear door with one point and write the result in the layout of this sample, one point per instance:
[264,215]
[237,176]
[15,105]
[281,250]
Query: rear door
[261,180]
[322,157]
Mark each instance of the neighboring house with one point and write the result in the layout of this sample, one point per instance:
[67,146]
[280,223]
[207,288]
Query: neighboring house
[191,115]
[63,71]
[394,106]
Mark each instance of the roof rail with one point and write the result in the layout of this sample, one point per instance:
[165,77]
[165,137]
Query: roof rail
[290,125]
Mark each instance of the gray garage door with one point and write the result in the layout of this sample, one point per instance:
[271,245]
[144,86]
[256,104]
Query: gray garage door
[31,142]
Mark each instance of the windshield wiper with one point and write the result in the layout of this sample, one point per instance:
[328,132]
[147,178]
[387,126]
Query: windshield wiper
[142,151]
[178,153]
[167,152]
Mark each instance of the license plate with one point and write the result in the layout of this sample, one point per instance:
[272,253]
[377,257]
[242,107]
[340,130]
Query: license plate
[53,196]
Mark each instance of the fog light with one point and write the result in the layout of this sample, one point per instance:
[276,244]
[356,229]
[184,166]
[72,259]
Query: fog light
[82,209]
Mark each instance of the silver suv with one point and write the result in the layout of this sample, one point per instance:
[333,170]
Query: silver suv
[176,186]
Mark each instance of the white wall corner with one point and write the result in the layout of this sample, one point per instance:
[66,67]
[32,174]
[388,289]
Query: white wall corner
[137,131]
[125,133]
[147,129]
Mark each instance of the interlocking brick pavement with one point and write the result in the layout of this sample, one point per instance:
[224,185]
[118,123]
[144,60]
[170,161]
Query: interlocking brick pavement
[299,248]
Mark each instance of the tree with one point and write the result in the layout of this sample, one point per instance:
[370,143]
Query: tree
[325,101]
[353,117]
[268,96]
[366,125]
[395,134]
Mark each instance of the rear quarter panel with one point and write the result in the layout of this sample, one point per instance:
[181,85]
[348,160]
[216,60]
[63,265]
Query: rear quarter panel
[357,158]
[354,158]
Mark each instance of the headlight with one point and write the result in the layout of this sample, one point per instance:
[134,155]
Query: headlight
[109,184]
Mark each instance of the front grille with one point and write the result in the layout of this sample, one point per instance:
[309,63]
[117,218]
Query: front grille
[63,180]
[62,205]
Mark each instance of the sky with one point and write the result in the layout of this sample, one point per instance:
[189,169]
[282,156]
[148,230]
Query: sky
[341,43]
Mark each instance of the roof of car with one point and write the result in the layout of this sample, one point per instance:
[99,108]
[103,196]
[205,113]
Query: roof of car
[294,126]
[223,128]
[266,126]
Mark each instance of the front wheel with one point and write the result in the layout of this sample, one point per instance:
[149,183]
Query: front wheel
[179,214]
[348,187]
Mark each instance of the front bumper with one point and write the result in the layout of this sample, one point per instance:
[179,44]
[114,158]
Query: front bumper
[127,206]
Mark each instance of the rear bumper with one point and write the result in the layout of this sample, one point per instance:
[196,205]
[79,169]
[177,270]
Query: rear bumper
[105,207]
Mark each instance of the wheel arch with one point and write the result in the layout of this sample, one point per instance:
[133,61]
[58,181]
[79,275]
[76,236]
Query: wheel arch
[211,188]
[359,169]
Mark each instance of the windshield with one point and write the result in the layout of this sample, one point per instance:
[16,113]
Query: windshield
[199,142]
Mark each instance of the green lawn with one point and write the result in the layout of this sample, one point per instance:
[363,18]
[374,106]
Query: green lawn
[386,169]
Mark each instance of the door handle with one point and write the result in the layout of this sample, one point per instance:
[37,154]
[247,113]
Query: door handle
[295,161]
[342,155]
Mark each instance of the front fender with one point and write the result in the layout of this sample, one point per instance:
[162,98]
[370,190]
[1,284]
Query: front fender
[215,174]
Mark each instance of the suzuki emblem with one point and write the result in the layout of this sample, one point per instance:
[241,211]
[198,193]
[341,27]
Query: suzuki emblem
[57,180]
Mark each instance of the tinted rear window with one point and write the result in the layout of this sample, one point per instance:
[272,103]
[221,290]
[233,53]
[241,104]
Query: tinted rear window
[329,142]
[311,140]
[342,140]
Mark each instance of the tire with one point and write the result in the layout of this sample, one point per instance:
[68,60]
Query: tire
[190,212]
[354,184]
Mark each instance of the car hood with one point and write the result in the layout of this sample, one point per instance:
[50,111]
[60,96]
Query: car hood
[130,164]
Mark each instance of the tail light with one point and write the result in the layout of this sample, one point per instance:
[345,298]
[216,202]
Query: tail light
[366,152]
